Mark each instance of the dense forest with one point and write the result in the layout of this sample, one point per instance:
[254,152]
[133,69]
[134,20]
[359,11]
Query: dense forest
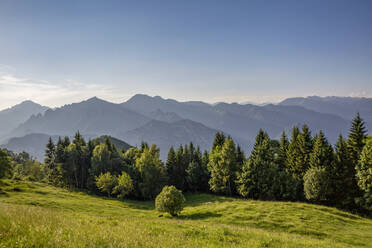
[300,168]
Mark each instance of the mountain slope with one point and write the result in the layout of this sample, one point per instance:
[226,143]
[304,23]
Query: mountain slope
[346,107]
[12,117]
[174,134]
[34,144]
[243,121]
[118,143]
[93,117]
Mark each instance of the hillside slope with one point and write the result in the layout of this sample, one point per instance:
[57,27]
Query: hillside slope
[38,215]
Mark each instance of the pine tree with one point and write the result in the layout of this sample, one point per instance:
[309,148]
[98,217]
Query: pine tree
[171,167]
[281,156]
[355,144]
[364,175]
[197,174]
[240,157]
[293,153]
[342,176]
[222,166]
[219,140]
[49,161]
[322,154]
[256,179]
[356,139]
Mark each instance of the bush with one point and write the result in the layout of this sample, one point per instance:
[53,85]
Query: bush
[106,182]
[124,185]
[316,184]
[170,200]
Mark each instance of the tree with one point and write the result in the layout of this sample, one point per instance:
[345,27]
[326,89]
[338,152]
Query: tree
[197,173]
[170,200]
[5,164]
[342,176]
[322,154]
[364,175]
[281,154]
[106,183]
[355,143]
[257,175]
[222,166]
[316,184]
[219,140]
[124,185]
[151,173]
[176,165]
[356,139]
[298,153]
[53,172]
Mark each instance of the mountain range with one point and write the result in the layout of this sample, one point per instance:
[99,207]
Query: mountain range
[167,122]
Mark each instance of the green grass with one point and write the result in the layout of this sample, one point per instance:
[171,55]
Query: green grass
[38,215]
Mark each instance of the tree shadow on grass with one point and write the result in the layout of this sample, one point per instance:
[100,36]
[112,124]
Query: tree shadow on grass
[195,199]
[199,216]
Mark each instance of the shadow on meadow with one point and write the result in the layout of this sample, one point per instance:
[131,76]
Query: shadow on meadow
[198,216]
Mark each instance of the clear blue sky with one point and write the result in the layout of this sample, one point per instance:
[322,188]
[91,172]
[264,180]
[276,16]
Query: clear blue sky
[56,52]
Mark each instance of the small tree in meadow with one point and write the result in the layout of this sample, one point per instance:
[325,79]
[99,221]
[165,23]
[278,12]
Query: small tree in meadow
[106,183]
[124,185]
[170,200]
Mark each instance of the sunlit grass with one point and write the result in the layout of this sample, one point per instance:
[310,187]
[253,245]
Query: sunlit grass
[38,215]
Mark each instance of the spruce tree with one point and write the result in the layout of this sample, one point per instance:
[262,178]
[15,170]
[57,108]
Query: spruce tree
[197,174]
[50,164]
[281,156]
[219,140]
[322,154]
[342,176]
[222,166]
[355,144]
[364,175]
[257,175]
[356,139]
[294,154]
[171,167]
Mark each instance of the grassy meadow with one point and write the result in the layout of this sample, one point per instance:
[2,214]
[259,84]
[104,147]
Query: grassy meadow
[39,215]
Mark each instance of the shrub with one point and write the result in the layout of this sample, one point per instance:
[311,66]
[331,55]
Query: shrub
[316,184]
[106,182]
[124,185]
[170,200]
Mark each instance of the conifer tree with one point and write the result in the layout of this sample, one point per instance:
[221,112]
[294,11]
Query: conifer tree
[222,166]
[171,167]
[197,174]
[342,176]
[322,154]
[356,139]
[219,140]
[49,161]
[364,175]
[281,156]
[355,144]
[256,179]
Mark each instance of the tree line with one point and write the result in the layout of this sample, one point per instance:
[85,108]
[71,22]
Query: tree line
[301,167]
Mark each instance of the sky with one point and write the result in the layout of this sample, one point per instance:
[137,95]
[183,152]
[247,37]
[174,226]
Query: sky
[59,52]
